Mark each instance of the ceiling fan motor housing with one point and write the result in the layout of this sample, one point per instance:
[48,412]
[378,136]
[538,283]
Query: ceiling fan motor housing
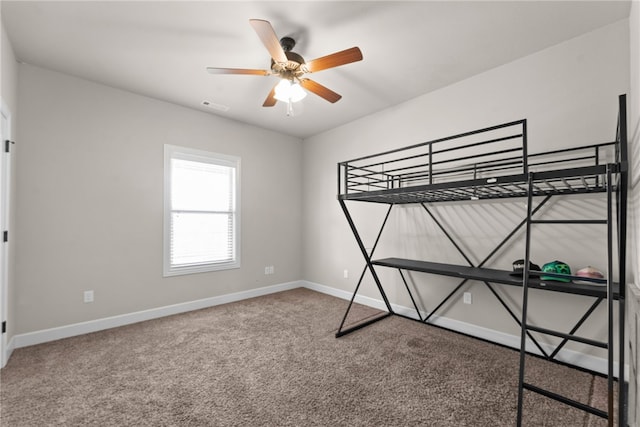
[291,67]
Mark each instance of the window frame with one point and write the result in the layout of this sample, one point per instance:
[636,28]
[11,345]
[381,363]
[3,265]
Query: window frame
[191,154]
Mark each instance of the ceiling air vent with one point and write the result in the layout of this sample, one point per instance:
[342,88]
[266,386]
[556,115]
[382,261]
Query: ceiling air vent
[215,106]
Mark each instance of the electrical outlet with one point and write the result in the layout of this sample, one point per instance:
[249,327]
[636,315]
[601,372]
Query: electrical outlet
[467,298]
[88,296]
[346,274]
[269,269]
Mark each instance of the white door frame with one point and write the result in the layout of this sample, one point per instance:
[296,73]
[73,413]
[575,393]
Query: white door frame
[5,189]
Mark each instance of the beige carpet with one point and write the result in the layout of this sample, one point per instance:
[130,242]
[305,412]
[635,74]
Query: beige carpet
[274,361]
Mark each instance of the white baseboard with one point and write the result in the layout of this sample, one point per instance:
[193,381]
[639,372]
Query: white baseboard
[593,363]
[46,335]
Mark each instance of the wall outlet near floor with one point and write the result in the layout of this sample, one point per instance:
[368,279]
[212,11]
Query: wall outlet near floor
[269,269]
[88,296]
[466,298]
[346,274]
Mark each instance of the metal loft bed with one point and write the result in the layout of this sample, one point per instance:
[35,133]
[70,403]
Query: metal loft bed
[493,163]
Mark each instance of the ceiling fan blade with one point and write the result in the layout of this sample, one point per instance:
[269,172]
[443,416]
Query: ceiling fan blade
[343,57]
[214,70]
[269,39]
[270,101]
[320,90]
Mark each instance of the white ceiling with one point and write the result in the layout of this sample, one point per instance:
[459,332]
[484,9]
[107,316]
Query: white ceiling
[161,48]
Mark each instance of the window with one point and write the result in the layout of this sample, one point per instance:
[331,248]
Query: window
[202,211]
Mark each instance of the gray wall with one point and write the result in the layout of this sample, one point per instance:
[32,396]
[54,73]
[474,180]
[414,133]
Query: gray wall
[90,200]
[569,95]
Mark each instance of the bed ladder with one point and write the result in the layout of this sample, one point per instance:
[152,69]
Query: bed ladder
[527,328]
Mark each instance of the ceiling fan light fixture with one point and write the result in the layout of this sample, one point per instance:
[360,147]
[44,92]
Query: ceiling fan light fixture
[288,91]
[297,93]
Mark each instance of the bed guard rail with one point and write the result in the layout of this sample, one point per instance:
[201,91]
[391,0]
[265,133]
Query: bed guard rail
[471,155]
[481,155]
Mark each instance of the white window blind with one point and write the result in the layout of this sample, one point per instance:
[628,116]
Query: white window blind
[201,211]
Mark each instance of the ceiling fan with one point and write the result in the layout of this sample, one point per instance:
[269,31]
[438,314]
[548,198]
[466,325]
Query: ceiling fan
[290,66]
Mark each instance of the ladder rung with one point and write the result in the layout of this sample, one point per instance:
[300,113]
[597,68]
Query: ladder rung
[566,400]
[567,336]
[568,221]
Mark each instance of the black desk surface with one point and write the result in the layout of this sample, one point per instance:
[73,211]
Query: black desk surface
[504,277]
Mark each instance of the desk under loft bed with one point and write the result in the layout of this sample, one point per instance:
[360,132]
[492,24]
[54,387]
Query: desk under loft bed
[493,163]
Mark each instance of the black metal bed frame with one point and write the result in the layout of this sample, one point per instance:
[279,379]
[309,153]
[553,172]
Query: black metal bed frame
[493,163]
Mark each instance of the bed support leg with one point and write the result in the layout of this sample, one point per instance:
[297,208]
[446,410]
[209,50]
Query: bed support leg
[369,267]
